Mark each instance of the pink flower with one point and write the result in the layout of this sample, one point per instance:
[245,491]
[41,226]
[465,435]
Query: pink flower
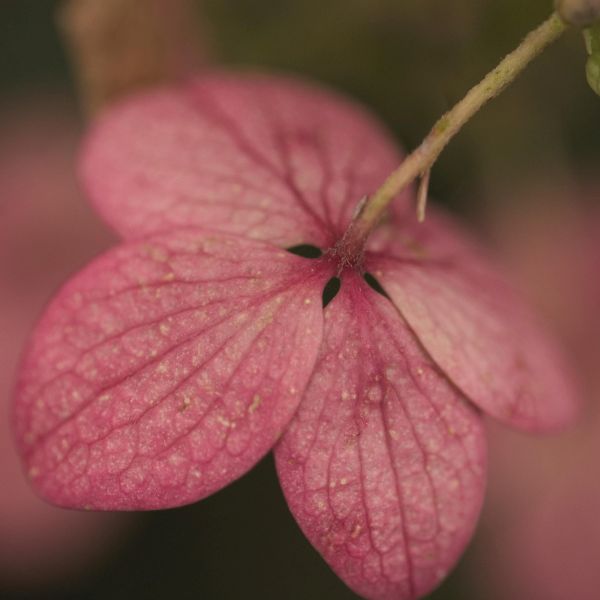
[541,536]
[169,366]
[39,246]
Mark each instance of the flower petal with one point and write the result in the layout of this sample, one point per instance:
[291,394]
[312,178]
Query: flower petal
[270,158]
[166,369]
[383,465]
[472,323]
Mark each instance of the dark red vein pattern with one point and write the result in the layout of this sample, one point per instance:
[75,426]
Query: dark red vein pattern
[166,369]
[383,465]
[272,159]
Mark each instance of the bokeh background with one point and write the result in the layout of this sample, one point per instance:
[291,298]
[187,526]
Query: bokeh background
[525,172]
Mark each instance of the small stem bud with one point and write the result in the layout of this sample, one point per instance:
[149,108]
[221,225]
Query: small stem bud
[591,36]
[581,13]
[592,71]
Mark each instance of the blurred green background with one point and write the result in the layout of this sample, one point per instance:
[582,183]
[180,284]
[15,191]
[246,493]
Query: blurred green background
[409,60]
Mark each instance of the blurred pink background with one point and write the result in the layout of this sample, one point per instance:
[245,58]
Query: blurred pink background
[46,232]
[540,533]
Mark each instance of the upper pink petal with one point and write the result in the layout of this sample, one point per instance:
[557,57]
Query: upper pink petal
[166,369]
[271,158]
[383,465]
[473,323]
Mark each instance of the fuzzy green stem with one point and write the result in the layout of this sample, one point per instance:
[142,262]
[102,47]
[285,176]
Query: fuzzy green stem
[421,160]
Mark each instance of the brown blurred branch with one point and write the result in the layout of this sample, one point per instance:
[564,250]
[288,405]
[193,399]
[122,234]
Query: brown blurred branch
[119,46]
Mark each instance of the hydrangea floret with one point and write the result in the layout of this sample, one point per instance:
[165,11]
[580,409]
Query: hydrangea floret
[232,321]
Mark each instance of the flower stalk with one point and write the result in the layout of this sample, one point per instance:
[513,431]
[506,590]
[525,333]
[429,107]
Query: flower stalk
[421,160]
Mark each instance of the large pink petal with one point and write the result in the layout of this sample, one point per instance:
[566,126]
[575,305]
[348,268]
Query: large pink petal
[383,465]
[472,323]
[166,369]
[271,158]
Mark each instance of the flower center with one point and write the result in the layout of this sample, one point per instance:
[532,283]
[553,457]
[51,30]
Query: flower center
[343,263]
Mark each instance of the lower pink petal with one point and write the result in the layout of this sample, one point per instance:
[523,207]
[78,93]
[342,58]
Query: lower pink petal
[383,465]
[166,369]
